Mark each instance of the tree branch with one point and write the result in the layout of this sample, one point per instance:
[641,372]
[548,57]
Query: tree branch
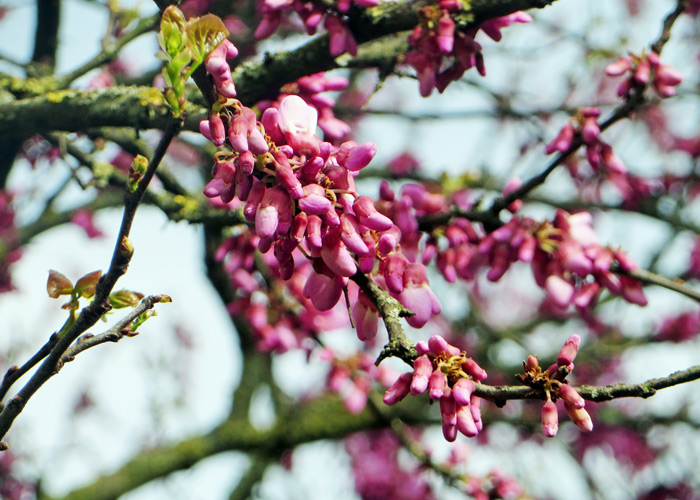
[100,303]
[390,310]
[114,334]
[500,394]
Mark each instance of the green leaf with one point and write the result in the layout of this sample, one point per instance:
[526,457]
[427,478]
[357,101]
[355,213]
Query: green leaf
[85,286]
[141,320]
[58,285]
[125,298]
[204,34]
[172,31]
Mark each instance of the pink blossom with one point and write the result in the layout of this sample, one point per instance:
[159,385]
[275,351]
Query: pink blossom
[422,369]
[580,417]
[418,296]
[568,351]
[324,289]
[399,390]
[550,419]
[559,290]
[365,317]
[571,397]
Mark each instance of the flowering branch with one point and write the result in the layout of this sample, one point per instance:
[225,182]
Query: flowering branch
[499,395]
[656,279]
[631,104]
[390,310]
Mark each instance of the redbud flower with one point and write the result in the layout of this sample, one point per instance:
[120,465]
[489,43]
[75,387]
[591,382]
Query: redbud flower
[550,419]
[368,215]
[568,351]
[445,33]
[559,290]
[619,67]
[562,142]
[462,390]
[422,370]
[336,255]
[365,317]
[399,390]
[580,417]
[323,288]
[570,396]
[217,129]
[418,296]
[341,39]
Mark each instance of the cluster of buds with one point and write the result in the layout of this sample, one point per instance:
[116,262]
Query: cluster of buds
[299,192]
[566,259]
[352,378]
[312,13]
[496,485]
[643,70]
[448,375]
[278,321]
[379,471]
[600,155]
[553,383]
[441,52]
[219,69]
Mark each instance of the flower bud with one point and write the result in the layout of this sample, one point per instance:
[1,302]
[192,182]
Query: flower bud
[550,419]
[399,390]
[422,369]
[568,351]
[571,397]
[580,417]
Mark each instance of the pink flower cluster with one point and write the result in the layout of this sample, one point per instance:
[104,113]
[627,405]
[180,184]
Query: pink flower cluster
[643,70]
[496,485]
[441,52]
[311,88]
[604,163]
[378,472]
[312,13]
[11,486]
[278,321]
[352,378]
[565,257]
[299,193]
[599,154]
[448,375]
[554,384]
[680,328]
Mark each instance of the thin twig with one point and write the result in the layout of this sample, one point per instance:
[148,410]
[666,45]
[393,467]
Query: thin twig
[114,334]
[656,279]
[121,257]
[500,394]
[110,52]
